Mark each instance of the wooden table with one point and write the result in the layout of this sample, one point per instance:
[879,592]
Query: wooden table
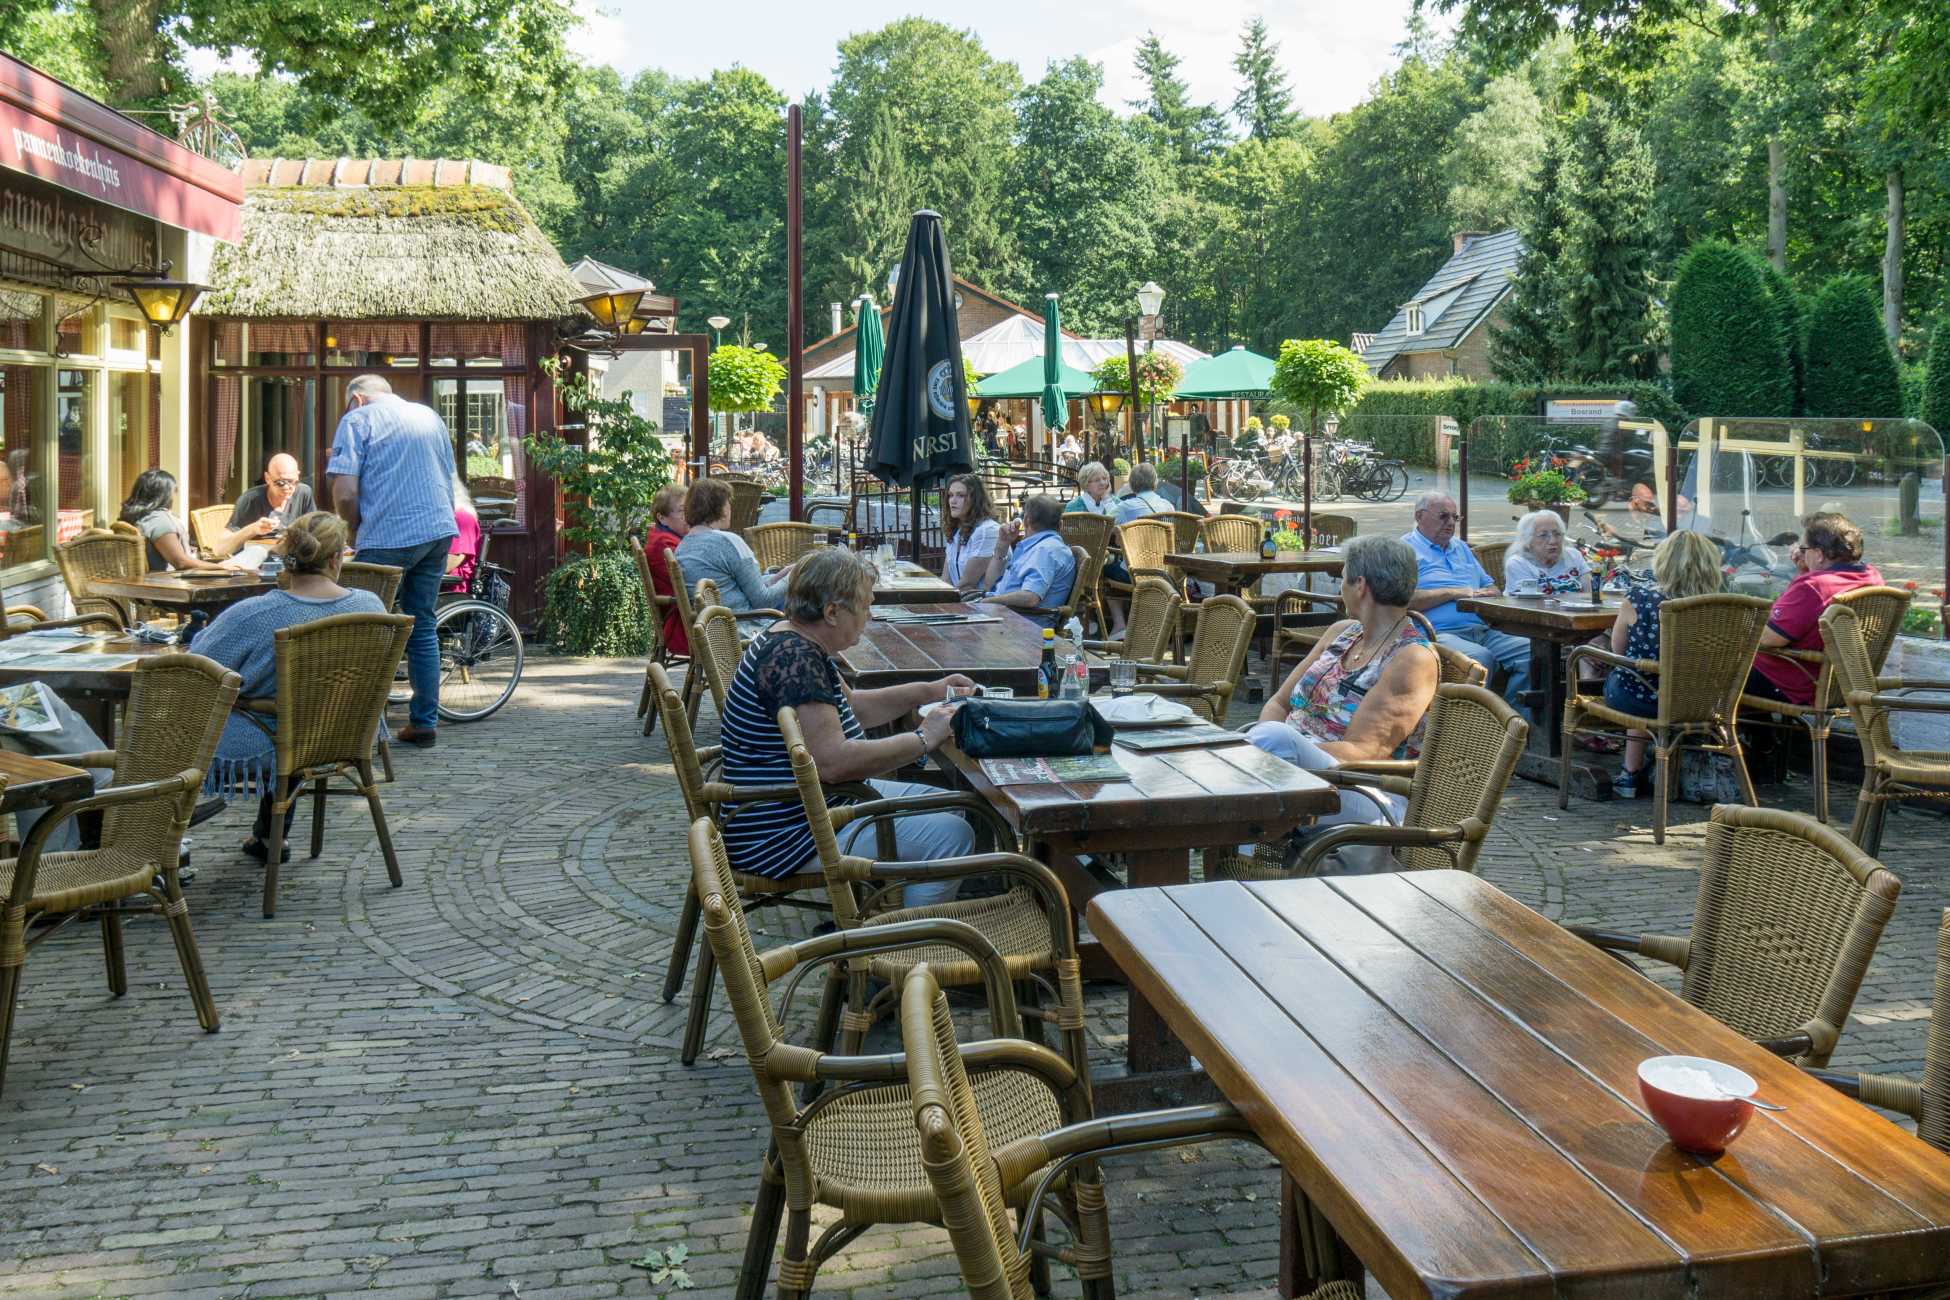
[1450,1080]
[1175,801]
[1551,628]
[207,594]
[914,585]
[1234,571]
[94,691]
[37,782]
[1006,652]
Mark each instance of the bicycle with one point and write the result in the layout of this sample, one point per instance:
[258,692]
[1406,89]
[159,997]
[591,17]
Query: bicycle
[481,650]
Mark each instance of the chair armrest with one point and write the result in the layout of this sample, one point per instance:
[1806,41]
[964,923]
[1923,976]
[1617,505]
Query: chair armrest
[93,758]
[1901,703]
[1912,684]
[1394,837]
[1801,1044]
[1056,903]
[1114,647]
[259,704]
[1805,656]
[183,783]
[1300,598]
[1674,950]
[107,622]
[1380,767]
[1341,776]
[879,809]
[1579,653]
[1169,689]
[1178,672]
[931,931]
[1887,1091]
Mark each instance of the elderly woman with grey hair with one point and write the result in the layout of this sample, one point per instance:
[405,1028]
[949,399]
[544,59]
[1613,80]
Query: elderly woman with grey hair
[1539,561]
[1363,691]
[792,664]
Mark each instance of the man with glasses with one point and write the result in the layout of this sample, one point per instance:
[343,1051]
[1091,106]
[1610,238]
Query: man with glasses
[1450,571]
[263,512]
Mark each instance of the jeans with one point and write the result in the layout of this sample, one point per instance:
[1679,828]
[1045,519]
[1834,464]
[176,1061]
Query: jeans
[928,838]
[422,567]
[1489,648]
[1358,808]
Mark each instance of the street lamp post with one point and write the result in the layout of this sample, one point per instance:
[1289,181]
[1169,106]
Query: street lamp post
[717,324]
[1151,304]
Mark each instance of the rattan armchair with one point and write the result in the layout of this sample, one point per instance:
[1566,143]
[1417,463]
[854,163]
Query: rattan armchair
[1144,543]
[382,580]
[781,545]
[1787,916]
[1080,528]
[1490,555]
[1879,612]
[100,554]
[747,499]
[1928,1102]
[1706,646]
[849,1143]
[660,651]
[1889,773]
[334,675]
[1148,627]
[976,1169]
[680,592]
[715,649]
[1470,747]
[1029,922]
[207,525]
[1232,533]
[1207,680]
[176,710]
[1185,529]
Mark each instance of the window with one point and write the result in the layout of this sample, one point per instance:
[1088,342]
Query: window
[23,321]
[134,431]
[373,344]
[23,485]
[1415,318]
[487,429]
[74,332]
[128,337]
[74,443]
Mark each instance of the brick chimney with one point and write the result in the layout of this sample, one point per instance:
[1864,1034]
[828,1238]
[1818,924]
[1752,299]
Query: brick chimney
[1462,239]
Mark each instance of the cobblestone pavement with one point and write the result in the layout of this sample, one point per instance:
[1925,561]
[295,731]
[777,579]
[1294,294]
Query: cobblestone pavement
[469,1086]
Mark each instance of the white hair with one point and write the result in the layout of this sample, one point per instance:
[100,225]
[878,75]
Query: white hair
[1527,527]
[463,499]
[367,386]
[1429,498]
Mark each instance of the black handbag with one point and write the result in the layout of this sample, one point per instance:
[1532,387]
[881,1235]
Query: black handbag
[1029,728]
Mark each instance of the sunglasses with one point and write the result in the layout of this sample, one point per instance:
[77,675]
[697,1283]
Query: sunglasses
[284,482]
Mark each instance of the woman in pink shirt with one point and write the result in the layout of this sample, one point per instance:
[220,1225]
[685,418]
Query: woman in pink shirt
[1831,551]
[465,553]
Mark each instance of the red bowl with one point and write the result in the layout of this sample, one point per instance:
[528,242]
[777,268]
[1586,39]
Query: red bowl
[1681,1101]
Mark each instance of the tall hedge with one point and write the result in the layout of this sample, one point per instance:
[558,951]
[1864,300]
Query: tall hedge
[1728,354]
[1399,416]
[1936,383]
[1851,371]
[1788,316]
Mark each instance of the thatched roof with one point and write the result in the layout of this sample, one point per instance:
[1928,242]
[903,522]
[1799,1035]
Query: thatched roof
[458,250]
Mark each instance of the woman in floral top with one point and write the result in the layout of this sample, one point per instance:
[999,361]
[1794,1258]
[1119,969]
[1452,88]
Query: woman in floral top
[1686,564]
[1363,691]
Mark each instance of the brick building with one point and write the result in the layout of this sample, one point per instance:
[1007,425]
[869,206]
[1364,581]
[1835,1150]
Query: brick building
[1444,330]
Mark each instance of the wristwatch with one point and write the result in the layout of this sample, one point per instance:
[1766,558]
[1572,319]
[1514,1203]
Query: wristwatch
[922,736]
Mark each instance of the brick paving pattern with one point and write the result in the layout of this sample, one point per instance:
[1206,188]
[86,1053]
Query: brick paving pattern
[469,1086]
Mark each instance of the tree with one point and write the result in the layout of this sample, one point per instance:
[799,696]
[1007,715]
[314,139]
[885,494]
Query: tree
[1084,189]
[1318,375]
[1787,318]
[1191,132]
[876,210]
[1851,371]
[1264,104]
[744,379]
[1609,327]
[1528,346]
[1495,153]
[1936,383]
[1247,195]
[1728,356]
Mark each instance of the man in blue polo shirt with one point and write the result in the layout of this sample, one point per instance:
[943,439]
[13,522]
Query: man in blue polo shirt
[1450,571]
[1040,569]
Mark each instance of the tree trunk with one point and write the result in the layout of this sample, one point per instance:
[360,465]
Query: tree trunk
[1892,260]
[1777,202]
[137,58]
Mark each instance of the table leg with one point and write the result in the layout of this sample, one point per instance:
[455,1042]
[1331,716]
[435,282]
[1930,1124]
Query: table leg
[1311,1252]
[1159,1068]
[1540,759]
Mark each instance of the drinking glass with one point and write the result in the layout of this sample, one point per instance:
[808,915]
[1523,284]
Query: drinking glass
[1123,676]
[954,693]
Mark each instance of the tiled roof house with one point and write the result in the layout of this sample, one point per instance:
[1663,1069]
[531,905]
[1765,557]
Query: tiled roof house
[1445,328]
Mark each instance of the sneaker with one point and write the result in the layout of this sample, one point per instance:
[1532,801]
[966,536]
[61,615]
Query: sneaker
[1630,784]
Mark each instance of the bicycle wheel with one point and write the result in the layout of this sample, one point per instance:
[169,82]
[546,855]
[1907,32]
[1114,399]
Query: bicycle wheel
[1327,481]
[1397,481]
[481,655]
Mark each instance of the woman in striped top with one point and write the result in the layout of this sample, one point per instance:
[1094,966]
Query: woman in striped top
[792,665]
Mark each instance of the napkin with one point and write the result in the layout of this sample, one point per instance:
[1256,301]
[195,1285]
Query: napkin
[1139,708]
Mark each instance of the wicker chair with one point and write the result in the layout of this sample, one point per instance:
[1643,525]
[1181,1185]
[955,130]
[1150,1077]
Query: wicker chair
[747,498]
[1093,533]
[851,1145]
[1879,613]
[1147,630]
[1706,646]
[1928,1102]
[717,801]
[98,554]
[1490,556]
[1029,923]
[714,640]
[176,710]
[1185,530]
[1333,530]
[681,595]
[1786,919]
[1469,749]
[1232,533]
[975,1169]
[780,545]
[1144,543]
[334,675]
[207,524]
[1889,773]
[382,580]
[1225,633]
[660,651]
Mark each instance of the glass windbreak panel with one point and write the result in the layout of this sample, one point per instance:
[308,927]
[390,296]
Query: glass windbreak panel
[491,346]
[23,480]
[378,344]
[1751,484]
[74,441]
[74,328]
[23,321]
[131,420]
[1269,467]
[1594,461]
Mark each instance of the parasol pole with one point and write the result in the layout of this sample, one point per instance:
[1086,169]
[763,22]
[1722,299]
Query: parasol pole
[795,325]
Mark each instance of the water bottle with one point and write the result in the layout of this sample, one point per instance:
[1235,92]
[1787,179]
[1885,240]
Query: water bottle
[1076,681]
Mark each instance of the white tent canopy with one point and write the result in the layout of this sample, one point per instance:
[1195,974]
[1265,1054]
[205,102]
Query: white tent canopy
[1012,341]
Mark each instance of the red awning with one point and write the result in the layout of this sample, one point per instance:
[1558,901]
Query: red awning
[54,132]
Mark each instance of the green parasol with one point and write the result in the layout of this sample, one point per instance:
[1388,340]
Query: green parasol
[1056,405]
[1027,378]
[869,349]
[1233,373]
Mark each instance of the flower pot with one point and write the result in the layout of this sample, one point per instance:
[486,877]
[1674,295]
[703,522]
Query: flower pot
[1563,508]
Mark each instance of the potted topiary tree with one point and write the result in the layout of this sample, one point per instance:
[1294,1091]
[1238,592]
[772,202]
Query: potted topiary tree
[744,380]
[1318,375]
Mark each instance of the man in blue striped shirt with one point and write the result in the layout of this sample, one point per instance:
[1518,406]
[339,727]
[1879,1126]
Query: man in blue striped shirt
[392,471]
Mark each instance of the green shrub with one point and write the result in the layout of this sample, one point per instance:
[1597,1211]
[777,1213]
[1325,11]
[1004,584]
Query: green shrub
[1788,316]
[1912,377]
[1728,354]
[593,605]
[1399,416]
[1170,470]
[1851,371]
[1935,406]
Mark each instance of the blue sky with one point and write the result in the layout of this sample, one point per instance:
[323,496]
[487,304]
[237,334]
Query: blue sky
[1333,50]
